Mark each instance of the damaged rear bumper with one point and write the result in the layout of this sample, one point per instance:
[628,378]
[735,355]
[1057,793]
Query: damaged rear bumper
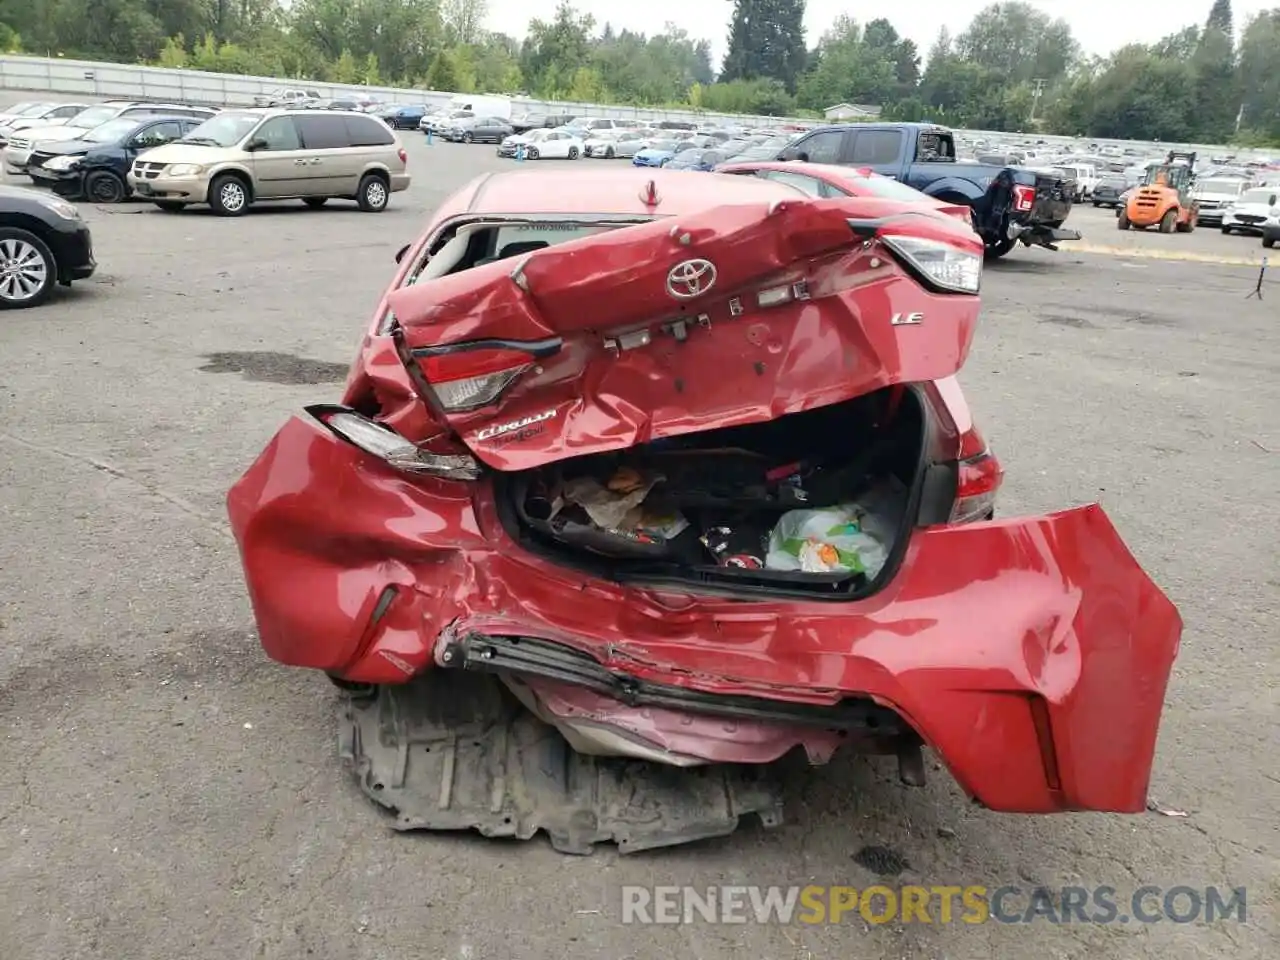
[1031,654]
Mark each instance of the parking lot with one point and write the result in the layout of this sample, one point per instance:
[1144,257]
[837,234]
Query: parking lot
[169,792]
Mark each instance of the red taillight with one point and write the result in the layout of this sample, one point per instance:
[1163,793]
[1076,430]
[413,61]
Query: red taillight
[466,379]
[1024,197]
[404,157]
[978,482]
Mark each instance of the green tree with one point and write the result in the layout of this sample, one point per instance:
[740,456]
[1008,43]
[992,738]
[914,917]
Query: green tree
[1260,75]
[371,74]
[1217,93]
[174,52]
[553,51]
[847,69]
[1018,42]
[464,20]
[766,39]
[441,75]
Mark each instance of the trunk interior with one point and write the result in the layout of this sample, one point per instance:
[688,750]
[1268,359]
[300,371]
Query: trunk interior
[817,504]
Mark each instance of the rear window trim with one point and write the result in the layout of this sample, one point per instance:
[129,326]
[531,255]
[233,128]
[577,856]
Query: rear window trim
[446,230]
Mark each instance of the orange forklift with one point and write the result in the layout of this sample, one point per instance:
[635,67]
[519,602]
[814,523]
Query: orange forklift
[1163,198]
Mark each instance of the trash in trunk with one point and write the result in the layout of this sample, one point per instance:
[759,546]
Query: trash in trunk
[733,547]
[850,538]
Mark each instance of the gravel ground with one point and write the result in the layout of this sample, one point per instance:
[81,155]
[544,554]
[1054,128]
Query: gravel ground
[168,792]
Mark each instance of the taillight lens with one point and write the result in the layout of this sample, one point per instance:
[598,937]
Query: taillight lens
[1024,197]
[467,379]
[384,443]
[404,157]
[978,482]
[942,265]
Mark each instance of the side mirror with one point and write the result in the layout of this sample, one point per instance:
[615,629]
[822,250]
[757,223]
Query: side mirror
[257,143]
[402,251]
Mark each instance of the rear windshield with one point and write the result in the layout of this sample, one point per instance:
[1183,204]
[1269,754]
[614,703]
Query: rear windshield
[888,189]
[94,116]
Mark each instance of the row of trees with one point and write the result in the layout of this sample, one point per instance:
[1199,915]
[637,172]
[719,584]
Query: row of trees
[1013,68]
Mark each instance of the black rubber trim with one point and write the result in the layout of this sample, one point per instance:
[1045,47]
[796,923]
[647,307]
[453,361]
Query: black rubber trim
[541,658]
[535,348]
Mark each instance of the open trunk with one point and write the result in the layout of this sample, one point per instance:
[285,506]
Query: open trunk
[818,503]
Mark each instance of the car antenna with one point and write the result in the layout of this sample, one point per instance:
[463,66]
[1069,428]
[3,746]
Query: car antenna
[649,195]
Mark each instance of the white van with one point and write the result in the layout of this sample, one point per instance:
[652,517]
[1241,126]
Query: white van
[482,106]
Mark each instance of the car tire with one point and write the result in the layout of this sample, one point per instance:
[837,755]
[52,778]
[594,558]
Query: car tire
[609,153]
[170,206]
[229,196]
[573,153]
[315,203]
[1268,242]
[1169,222]
[103,186]
[532,153]
[1226,231]
[467,137]
[28,270]
[1122,220]
[996,250]
[373,194]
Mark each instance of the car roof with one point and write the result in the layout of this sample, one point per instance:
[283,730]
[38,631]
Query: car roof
[615,191]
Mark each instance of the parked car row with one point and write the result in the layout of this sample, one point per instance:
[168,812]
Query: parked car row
[177,155]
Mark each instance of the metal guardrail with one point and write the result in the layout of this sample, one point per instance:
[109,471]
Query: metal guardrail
[89,78]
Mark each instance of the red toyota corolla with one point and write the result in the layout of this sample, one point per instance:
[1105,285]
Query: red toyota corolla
[676,468]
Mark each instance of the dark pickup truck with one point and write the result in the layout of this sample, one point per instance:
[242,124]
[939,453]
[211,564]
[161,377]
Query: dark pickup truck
[1010,204]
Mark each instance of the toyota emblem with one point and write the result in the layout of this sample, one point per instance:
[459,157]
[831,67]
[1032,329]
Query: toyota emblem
[690,279]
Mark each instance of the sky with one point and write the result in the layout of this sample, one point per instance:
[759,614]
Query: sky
[1100,26]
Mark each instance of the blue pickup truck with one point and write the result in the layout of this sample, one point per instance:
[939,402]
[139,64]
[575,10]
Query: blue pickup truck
[1010,205]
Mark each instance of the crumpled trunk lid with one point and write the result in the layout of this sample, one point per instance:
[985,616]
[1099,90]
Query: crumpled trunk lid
[733,315]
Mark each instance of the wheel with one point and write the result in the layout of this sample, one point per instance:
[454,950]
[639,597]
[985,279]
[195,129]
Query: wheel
[609,153]
[573,153]
[315,203]
[1169,222]
[1122,220]
[998,248]
[531,153]
[1268,241]
[372,194]
[467,137]
[102,186]
[1226,231]
[1188,227]
[353,689]
[229,196]
[27,269]
[171,206]
[1096,204]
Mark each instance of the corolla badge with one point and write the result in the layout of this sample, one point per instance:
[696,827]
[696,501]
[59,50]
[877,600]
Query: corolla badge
[691,278]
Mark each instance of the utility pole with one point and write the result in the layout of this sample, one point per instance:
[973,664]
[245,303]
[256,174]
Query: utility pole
[1035,97]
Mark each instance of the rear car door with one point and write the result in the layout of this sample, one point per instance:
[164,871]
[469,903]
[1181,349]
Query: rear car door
[280,167]
[880,150]
[332,167]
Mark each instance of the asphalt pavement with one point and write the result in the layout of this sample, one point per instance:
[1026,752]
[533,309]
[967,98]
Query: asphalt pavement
[169,792]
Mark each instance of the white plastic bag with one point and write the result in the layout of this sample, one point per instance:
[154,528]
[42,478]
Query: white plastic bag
[850,538]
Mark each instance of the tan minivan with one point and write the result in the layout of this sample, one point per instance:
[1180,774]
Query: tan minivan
[241,157]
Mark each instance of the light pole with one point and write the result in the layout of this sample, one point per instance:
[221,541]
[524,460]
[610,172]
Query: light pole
[1035,97]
